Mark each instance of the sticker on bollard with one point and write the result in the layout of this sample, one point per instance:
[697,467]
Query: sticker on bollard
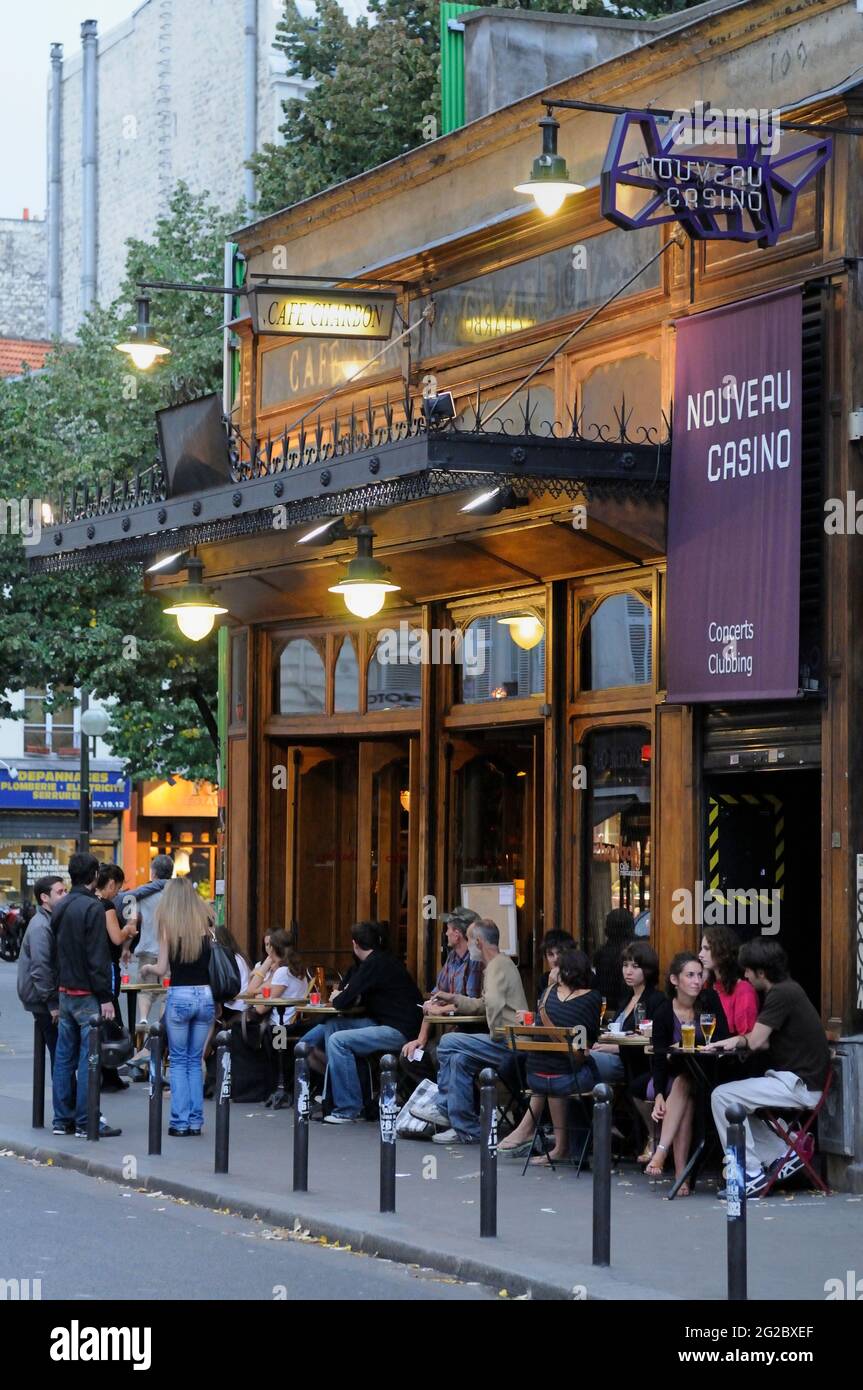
[734,1183]
[223,1104]
[225,1093]
[304,1098]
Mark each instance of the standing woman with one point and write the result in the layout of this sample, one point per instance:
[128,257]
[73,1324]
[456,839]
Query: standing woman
[109,881]
[185,933]
[718,955]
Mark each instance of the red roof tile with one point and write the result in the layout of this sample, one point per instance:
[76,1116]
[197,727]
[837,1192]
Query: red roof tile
[16,353]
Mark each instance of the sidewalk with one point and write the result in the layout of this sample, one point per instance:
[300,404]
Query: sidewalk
[660,1250]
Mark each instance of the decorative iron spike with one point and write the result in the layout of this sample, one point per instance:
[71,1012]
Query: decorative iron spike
[477,421]
[319,437]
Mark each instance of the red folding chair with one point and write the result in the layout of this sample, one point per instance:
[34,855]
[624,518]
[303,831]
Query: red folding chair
[801,1142]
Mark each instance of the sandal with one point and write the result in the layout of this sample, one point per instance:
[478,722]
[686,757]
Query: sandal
[654,1169]
[684,1190]
[646,1156]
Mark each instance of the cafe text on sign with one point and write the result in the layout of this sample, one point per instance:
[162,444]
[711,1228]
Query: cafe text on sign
[329,314]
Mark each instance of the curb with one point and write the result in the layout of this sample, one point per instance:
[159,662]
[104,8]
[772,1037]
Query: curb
[383,1246]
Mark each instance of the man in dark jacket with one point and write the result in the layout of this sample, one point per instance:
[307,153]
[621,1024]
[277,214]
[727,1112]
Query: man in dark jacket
[37,963]
[84,981]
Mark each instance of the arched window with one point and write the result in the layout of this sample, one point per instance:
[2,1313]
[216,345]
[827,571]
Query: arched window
[301,679]
[616,644]
[504,657]
[395,671]
[347,679]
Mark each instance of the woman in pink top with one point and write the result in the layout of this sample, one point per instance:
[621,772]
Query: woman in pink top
[718,955]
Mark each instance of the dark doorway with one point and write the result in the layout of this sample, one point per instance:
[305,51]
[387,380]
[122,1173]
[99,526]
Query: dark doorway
[763,832]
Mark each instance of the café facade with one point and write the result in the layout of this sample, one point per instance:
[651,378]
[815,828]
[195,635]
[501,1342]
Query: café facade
[618,666]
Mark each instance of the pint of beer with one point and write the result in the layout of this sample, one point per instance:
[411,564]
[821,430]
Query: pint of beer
[687,1033]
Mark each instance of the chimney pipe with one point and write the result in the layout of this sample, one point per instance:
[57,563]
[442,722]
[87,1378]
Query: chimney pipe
[55,293]
[250,94]
[89,45]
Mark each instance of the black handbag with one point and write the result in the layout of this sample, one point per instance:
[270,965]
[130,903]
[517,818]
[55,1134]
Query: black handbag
[225,980]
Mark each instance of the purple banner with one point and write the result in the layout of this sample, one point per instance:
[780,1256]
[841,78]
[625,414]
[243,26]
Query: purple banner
[732,610]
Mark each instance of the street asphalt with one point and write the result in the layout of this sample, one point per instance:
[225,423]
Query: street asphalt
[659,1250]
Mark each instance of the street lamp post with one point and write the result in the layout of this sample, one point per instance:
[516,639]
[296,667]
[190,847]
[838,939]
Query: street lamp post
[93,725]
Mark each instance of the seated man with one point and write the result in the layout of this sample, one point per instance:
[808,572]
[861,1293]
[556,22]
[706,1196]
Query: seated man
[460,974]
[789,1029]
[389,1000]
[462,1055]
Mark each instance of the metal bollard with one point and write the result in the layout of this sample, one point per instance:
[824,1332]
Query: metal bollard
[38,1077]
[389,1109]
[223,1100]
[154,1139]
[735,1202]
[302,1111]
[488,1152]
[94,1077]
[602,1175]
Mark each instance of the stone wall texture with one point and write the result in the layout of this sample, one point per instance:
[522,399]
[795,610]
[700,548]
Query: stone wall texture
[23,260]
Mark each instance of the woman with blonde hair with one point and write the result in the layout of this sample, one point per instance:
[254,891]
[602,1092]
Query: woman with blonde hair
[185,932]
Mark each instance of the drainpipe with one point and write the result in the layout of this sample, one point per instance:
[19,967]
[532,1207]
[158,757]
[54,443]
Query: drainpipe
[89,45]
[250,91]
[55,293]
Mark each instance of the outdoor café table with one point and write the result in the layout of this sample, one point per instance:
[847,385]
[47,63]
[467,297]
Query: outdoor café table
[632,1047]
[130,991]
[448,1021]
[707,1070]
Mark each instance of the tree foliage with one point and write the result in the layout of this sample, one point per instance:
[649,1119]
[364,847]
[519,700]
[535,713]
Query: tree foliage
[87,415]
[375,84]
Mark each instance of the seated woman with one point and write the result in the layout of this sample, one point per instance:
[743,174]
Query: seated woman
[739,1000]
[671,1090]
[281,972]
[571,1002]
[639,966]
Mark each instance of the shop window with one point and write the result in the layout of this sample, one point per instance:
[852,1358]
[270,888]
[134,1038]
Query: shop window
[616,645]
[632,384]
[49,731]
[617,833]
[395,673]
[301,677]
[504,657]
[347,679]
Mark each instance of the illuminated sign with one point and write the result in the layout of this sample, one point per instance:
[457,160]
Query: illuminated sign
[323,314]
[58,789]
[747,192]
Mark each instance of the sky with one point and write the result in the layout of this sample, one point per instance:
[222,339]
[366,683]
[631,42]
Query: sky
[28,32]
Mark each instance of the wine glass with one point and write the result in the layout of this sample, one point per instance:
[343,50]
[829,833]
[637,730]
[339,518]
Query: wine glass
[708,1024]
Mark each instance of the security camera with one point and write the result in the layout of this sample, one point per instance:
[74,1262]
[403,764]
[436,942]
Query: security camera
[438,409]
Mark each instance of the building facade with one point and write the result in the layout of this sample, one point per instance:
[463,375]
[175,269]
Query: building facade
[23,263]
[546,777]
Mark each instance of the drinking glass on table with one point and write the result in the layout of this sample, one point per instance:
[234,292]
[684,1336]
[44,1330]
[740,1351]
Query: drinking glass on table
[603,1011]
[687,1036]
[708,1026]
[639,1014]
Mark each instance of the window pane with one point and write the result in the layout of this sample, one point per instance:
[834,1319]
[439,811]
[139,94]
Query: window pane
[495,666]
[347,678]
[62,739]
[395,681]
[301,679]
[616,647]
[35,738]
[618,845]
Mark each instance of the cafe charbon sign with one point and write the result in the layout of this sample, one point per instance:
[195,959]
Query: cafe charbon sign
[323,313]
[746,193]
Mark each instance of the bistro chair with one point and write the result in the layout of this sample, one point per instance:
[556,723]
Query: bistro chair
[526,1040]
[802,1141]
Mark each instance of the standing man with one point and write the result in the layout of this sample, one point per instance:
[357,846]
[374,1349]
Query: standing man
[139,905]
[37,963]
[84,979]
[789,1029]
[458,975]
[462,1055]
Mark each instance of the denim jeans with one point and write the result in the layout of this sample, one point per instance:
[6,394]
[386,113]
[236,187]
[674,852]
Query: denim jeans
[349,1039]
[188,1015]
[71,1056]
[461,1056]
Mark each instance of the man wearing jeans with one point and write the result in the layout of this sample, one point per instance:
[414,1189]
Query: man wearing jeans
[84,976]
[790,1031]
[389,1000]
[462,1055]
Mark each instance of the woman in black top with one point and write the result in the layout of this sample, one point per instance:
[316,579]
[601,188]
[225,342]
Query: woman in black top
[185,933]
[570,1003]
[673,1104]
[108,884]
[639,966]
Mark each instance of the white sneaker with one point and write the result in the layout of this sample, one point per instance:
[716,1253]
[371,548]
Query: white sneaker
[451,1136]
[341,1119]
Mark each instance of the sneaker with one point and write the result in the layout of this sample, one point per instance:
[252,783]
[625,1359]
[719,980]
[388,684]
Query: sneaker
[794,1163]
[63,1127]
[431,1113]
[335,1119]
[452,1136]
[105,1132]
[754,1186]
[178,1133]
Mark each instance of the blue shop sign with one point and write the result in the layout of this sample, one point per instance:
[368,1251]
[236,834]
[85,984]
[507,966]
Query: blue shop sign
[53,789]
